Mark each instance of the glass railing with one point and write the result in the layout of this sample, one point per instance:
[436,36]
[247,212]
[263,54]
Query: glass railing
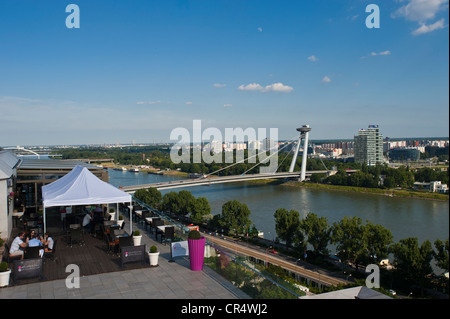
[250,277]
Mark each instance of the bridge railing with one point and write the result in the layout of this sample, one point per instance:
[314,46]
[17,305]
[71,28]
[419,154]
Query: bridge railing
[240,270]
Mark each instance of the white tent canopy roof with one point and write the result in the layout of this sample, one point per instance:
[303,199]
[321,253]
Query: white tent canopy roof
[81,187]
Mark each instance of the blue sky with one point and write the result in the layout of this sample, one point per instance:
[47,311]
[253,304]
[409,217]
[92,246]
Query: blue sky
[135,70]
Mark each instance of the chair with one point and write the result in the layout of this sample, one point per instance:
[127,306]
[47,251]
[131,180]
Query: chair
[76,235]
[125,241]
[155,225]
[51,253]
[168,234]
[110,244]
[123,225]
[32,252]
[10,257]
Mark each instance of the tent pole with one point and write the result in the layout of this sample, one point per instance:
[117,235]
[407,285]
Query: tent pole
[131,221]
[45,221]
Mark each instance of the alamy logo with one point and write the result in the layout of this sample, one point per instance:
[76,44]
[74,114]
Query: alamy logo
[73,280]
[373,280]
[209,146]
[73,19]
[373,19]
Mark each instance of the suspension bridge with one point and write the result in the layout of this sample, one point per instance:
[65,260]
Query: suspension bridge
[211,179]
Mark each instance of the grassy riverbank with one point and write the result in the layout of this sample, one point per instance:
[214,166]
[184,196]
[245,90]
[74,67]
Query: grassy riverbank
[376,191]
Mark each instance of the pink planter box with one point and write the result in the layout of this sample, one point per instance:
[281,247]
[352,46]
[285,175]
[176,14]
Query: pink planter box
[196,253]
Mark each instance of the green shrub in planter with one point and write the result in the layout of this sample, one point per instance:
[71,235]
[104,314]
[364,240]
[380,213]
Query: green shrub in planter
[194,234]
[120,217]
[3,266]
[111,210]
[153,249]
[137,233]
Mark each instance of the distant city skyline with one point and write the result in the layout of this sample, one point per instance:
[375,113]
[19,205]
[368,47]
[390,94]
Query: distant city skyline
[137,70]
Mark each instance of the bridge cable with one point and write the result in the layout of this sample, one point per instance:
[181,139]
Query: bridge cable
[270,157]
[224,168]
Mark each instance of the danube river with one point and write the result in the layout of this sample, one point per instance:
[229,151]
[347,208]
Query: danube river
[405,217]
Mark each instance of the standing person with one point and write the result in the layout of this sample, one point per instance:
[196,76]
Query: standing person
[18,245]
[87,224]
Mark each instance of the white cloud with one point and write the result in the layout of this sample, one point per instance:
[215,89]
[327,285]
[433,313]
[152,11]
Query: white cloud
[275,87]
[188,103]
[227,105]
[260,29]
[219,85]
[429,28]
[420,10]
[149,103]
[250,87]
[278,87]
[313,58]
[326,79]
[387,52]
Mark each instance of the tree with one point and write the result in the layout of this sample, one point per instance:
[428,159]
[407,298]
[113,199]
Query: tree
[151,196]
[377,240]
[287,224]
[235,216]
[412,262]
[200,209]
[318,232]
[348,234]
[186,202]
[441,254]
[171,203]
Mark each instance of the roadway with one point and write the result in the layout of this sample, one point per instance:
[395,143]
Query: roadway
[317,275]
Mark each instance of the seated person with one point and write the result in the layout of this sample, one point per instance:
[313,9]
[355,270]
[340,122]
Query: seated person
[87,225]
[18,245]
[35,242]
[48,242]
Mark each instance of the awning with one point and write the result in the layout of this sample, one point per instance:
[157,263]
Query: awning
[81,187]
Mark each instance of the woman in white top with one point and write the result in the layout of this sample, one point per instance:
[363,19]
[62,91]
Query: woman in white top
[48,243]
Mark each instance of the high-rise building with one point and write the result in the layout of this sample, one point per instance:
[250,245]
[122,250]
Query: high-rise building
[369,146]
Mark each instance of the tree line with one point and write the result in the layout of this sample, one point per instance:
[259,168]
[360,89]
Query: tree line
[383,176]
[362,244]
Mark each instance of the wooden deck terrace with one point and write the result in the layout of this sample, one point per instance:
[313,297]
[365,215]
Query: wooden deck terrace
[92,256]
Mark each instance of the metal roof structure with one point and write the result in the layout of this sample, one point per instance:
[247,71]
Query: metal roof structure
[8,161]
[52,164]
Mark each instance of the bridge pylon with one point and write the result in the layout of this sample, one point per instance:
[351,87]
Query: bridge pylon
[304,135]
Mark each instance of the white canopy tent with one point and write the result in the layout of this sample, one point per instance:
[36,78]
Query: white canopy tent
[81,187]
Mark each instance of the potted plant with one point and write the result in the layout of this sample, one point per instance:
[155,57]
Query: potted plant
[5,273]
[153,256]
[196,244]
[137,238]
[112,212]
[120,221]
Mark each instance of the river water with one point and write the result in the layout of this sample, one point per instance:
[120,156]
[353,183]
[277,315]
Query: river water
[405,217]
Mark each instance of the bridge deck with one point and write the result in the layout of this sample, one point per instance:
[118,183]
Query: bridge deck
[217,180]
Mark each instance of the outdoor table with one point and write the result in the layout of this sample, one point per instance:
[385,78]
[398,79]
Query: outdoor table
[119,232]
[108,223]
[74,226]
[162,228]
